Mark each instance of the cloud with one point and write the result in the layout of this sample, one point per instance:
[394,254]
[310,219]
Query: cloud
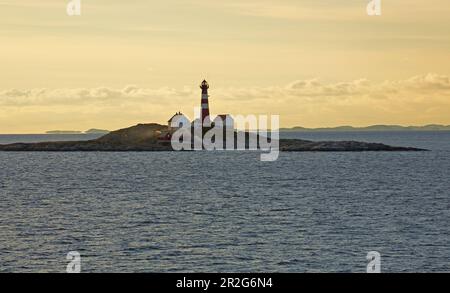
[417,100]
[429,82]
[430,85]
[95,96]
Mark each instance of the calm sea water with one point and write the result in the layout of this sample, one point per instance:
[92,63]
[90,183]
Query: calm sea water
[227,211]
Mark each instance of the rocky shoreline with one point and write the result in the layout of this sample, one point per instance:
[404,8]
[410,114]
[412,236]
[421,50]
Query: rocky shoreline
[144,138]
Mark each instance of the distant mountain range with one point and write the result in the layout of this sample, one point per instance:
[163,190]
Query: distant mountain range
[431,127]
[90,131]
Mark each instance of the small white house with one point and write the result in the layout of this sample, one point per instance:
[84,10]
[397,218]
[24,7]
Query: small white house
[178,121]
[224,120]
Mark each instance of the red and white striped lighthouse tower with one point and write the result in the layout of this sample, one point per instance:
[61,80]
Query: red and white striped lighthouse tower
[205,103]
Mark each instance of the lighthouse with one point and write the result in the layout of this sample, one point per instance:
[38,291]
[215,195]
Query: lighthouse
[204,118]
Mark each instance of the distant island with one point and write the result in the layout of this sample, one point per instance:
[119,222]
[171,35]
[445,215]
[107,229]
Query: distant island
[147,137]
[157,137]
[64,132]
[97,131]
[90,131]
[431,127]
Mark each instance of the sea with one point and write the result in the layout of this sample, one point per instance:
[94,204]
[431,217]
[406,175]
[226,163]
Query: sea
[228,211]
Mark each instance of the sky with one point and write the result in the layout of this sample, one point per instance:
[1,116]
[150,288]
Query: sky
[316,63]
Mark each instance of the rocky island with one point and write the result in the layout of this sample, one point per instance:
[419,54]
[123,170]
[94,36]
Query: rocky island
[146,137]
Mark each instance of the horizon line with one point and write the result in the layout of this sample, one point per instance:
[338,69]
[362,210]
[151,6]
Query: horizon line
[79,132]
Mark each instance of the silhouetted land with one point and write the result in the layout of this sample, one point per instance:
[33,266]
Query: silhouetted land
[90,131]
[64,132]
[144,137]
[431,127]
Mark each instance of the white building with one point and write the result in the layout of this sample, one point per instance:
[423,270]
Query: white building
[224,120]
[178,121]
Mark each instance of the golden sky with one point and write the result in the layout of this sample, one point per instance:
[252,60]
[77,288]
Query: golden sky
[314,62]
